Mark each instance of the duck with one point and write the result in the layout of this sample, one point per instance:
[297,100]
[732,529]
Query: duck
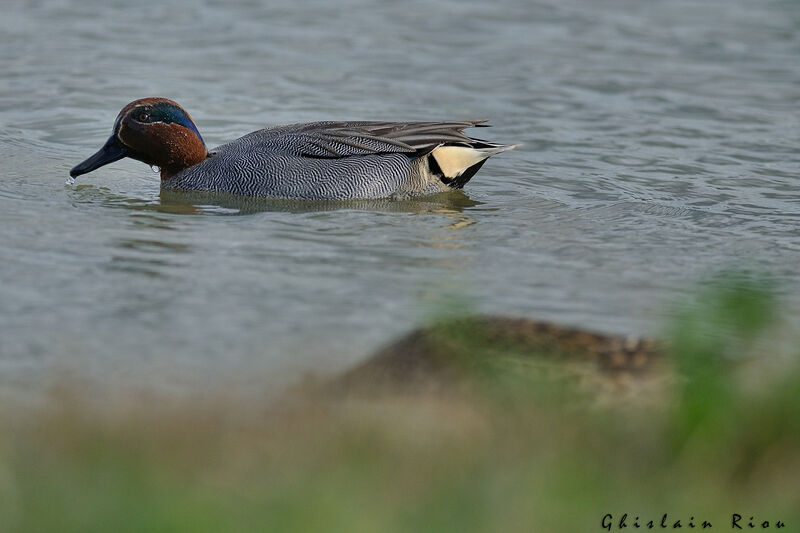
[330,160]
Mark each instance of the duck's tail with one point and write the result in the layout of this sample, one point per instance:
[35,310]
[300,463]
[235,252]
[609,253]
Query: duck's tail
[455,164]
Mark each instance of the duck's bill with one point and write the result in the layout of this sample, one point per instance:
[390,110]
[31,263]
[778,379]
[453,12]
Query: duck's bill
[112,151]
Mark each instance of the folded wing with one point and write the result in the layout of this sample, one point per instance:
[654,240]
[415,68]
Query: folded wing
[345,139]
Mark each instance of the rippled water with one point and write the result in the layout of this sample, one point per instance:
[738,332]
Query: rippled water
[659,143]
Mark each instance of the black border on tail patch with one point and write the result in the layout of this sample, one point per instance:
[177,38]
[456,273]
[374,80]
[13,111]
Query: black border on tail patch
[459,181]
[435,169]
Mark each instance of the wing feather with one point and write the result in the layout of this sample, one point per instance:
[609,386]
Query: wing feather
[344,139]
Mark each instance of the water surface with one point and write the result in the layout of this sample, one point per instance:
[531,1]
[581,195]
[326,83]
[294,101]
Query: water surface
[659,144]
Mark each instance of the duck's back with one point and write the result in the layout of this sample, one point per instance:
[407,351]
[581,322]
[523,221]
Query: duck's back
[333,160]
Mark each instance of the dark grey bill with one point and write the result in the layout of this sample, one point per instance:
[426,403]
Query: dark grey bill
[112,151]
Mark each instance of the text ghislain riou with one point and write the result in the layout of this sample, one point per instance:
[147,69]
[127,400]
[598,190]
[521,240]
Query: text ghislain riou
[737,521]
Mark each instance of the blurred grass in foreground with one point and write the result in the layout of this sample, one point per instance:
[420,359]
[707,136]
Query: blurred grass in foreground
[514,444]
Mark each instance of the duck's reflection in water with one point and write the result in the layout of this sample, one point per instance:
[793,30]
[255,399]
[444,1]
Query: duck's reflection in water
[222,203]
[451,204]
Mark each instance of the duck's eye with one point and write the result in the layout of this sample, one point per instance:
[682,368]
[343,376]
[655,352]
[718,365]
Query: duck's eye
[143,117]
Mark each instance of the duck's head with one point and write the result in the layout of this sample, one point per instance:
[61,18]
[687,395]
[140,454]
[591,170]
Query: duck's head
[155,131]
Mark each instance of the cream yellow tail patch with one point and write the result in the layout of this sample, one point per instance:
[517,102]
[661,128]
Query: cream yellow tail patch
[454,160]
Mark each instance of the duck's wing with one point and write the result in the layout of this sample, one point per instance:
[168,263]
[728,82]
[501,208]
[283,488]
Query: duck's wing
[344,139]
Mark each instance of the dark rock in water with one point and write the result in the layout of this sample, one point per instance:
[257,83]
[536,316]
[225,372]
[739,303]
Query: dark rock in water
[433,356]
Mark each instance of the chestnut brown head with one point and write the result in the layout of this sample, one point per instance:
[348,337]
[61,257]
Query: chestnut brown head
[155,131]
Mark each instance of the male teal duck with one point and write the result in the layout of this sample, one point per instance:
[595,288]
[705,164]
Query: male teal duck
[318,160]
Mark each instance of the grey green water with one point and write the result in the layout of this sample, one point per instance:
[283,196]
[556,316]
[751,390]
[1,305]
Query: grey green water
[660,143]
